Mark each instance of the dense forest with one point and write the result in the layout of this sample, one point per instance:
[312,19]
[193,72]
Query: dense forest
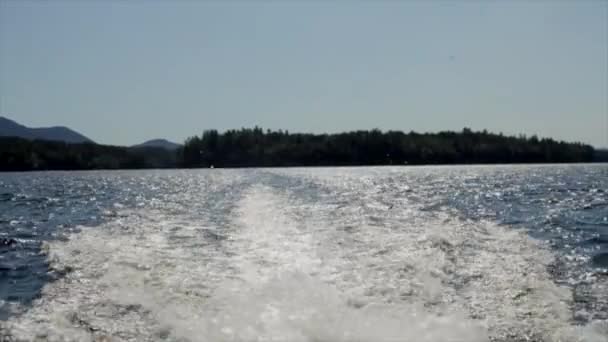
[17,154]
[601,155]
[256,147]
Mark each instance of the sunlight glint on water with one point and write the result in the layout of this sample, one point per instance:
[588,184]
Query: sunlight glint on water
[353,263]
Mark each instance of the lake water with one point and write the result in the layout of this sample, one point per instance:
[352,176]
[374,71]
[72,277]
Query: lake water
[467,253]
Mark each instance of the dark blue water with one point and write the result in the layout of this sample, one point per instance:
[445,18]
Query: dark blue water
[567,206]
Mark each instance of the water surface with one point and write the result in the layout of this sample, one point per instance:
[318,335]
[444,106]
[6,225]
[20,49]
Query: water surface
[468,253]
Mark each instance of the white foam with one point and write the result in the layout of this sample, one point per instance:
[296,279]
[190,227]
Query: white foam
[294,271]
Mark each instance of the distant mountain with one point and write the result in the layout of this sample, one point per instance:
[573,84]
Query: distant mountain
[166,144]
[9,128]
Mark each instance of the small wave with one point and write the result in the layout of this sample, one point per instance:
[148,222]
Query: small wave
[601,259]
[599,239]
[283,270]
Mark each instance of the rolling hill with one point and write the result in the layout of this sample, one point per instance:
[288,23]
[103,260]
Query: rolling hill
[10,128]
[163,143]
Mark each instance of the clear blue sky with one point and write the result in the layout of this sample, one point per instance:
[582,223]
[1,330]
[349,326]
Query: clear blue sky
[122,72]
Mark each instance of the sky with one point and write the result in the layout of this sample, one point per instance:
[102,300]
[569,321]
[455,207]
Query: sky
[122,72]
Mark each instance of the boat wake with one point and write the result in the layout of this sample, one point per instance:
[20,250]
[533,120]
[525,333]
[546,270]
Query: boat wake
[287,270]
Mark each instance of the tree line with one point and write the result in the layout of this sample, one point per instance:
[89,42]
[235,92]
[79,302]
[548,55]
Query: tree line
[17,154]
[255,147]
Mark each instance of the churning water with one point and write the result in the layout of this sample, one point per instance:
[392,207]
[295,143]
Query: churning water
[483,253]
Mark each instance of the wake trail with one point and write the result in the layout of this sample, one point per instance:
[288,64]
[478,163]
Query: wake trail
[281,268]
[287,289]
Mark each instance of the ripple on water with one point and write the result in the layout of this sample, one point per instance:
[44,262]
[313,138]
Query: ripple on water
[601,259]
[308,255]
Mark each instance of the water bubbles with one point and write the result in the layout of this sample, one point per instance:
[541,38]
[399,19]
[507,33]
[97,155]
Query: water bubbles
[323,255]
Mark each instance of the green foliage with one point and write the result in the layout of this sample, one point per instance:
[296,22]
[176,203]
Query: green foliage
[18,154]
[254,147]
[601,155]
